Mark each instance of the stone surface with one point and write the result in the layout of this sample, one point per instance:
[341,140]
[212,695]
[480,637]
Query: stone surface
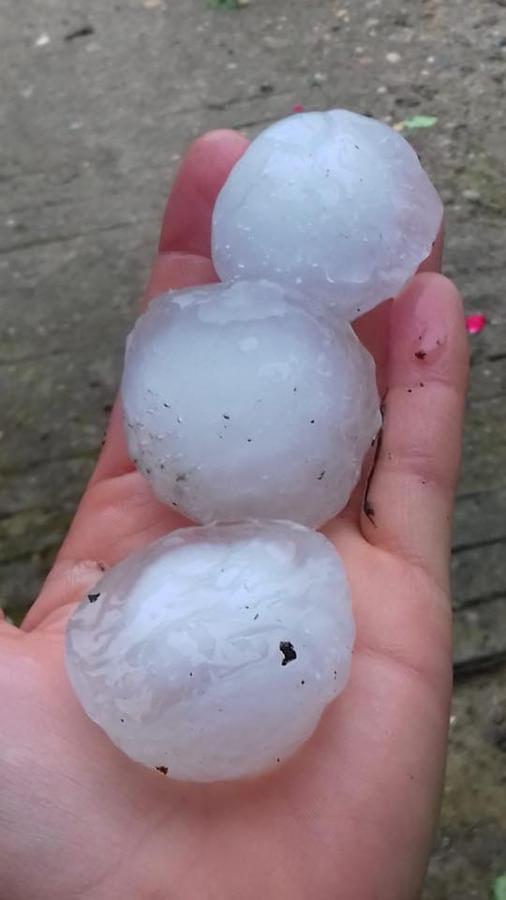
[214,651]
[240,403]
[89,144]
[332,204]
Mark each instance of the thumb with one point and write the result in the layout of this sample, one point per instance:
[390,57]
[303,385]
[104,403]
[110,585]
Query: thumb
[409,500]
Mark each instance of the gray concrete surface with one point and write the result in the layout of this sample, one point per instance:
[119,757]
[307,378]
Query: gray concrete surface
[92,127]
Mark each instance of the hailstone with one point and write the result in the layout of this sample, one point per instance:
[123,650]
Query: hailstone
[332,203]
[239,402]
[213,652]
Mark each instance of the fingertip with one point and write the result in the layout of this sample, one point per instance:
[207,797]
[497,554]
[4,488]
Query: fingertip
[427,327]
[439,284]
[413,484]
[221,136]
[209,159]
[186,224]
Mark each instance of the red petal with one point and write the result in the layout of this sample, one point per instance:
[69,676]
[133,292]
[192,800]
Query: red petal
[476,323]
[298,107]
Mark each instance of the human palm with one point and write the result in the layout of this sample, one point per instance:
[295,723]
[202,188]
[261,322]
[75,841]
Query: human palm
[351,816]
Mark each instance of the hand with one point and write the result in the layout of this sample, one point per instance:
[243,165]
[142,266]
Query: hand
[351,816]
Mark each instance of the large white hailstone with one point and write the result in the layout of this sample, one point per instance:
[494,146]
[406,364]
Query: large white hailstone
[240,403]
[213,652]
[333,203]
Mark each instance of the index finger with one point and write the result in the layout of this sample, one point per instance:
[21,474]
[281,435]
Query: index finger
[118,512]
[183,257]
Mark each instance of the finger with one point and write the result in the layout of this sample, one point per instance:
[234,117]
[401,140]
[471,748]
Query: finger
[118,512]
[204,170]
[409,500]
[373,330]
[7,629]
[185,236]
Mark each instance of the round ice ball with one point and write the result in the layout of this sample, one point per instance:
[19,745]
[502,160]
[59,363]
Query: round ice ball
[332,203]
[213,652]
[240,403]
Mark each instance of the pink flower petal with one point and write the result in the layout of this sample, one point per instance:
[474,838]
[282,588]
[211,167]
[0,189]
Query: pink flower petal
[298,107]
[475,323]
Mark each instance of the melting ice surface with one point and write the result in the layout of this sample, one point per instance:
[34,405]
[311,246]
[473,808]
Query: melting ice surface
[214,651]
[334,204]
[240,402]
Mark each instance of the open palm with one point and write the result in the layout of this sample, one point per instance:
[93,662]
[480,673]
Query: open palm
[351,816]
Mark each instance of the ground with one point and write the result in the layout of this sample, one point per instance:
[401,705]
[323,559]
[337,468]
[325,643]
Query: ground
[98,102]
